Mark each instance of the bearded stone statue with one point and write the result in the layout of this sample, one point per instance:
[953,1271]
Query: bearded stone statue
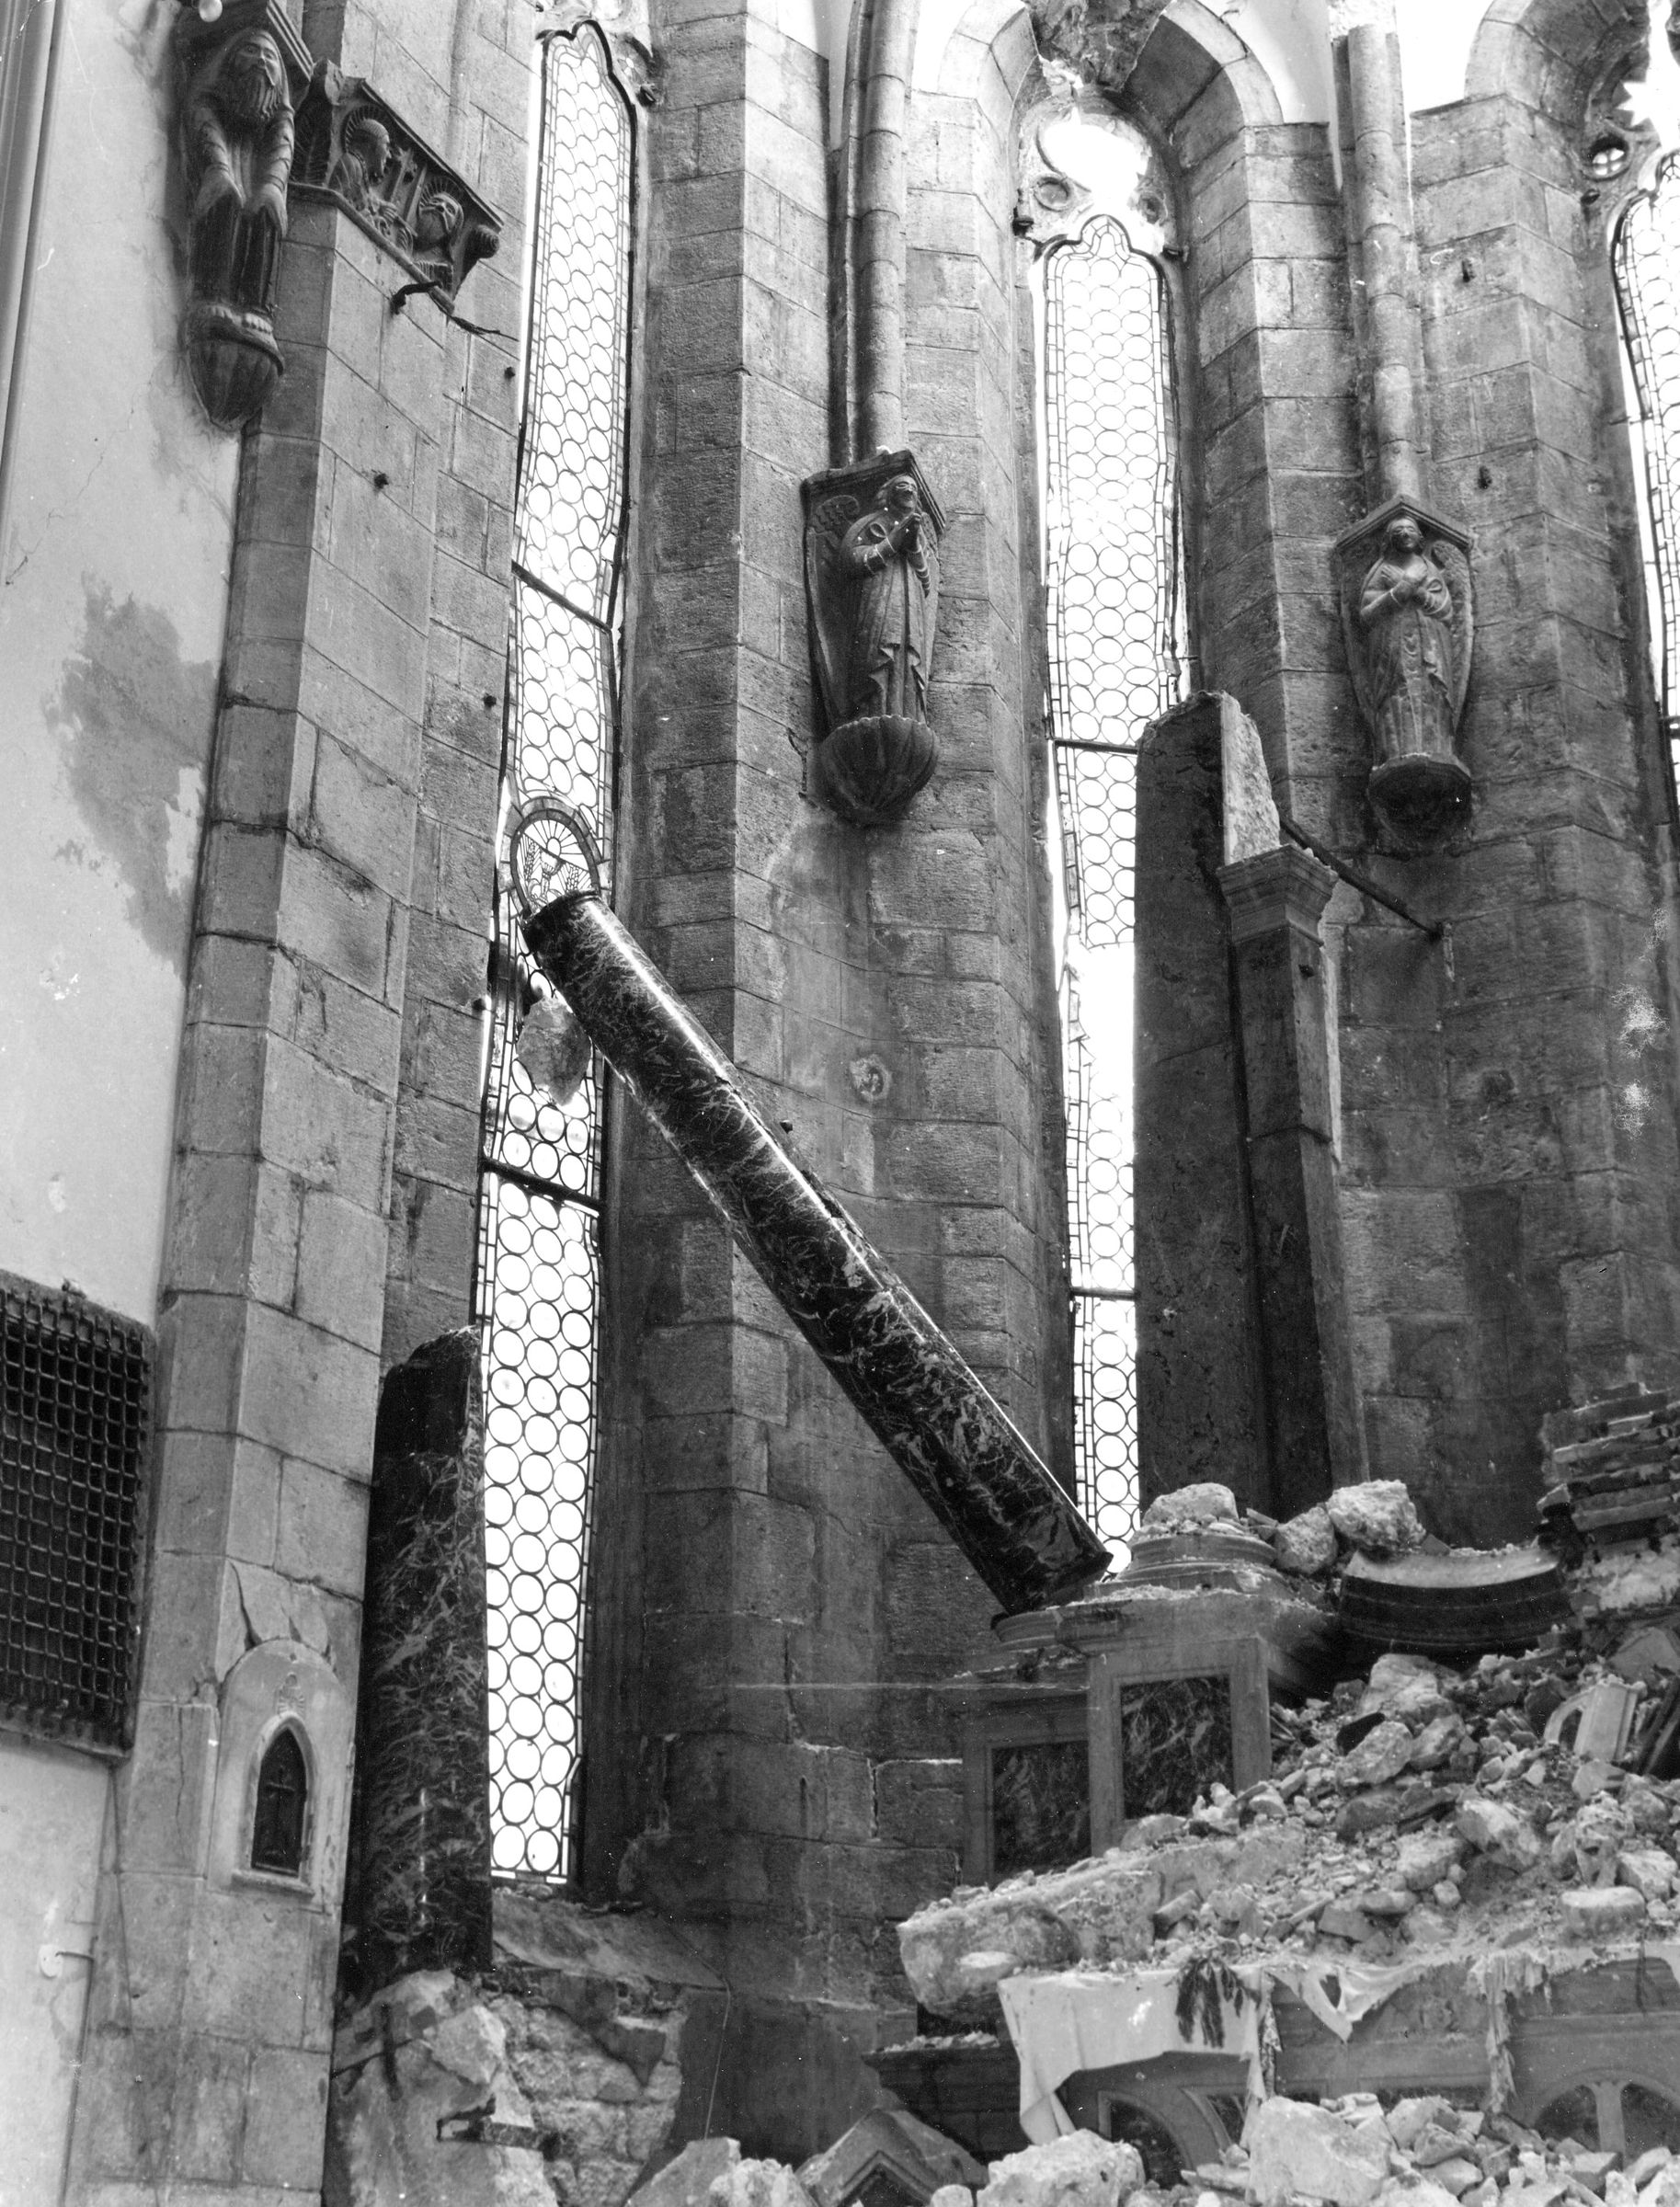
[237,135]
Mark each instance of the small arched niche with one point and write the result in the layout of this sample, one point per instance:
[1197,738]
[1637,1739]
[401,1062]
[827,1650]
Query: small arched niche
[280,1804]
[283,1773]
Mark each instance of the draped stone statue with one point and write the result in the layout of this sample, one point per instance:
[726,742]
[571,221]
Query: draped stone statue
[1409,626]
[872,579]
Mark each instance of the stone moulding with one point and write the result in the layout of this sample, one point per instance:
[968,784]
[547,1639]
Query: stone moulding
[1408,622]
[355,149]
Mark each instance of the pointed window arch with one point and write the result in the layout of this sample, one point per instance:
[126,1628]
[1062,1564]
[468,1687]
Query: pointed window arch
[280,1820]
[1115,616]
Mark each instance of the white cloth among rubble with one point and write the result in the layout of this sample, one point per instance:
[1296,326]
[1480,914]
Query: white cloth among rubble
[1079,2019]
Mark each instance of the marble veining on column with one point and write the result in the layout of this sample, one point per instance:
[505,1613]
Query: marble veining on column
[1016,1525]
[420,1898]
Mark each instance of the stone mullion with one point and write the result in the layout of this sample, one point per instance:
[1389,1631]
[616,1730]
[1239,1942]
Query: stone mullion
[274,1280]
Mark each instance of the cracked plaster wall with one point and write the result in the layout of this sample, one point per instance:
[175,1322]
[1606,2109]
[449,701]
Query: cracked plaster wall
[113,591]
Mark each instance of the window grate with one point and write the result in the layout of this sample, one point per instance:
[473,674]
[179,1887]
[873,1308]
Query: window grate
[1114,619]
[539,1263]
[75,1406]
[1645,259]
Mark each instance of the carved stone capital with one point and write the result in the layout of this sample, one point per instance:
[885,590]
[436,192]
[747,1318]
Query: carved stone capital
[354,149]
[236,83]
[1284,888]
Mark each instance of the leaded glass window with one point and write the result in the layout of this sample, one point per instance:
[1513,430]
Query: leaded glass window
[539,1269]
[1115,612]
[1646,247]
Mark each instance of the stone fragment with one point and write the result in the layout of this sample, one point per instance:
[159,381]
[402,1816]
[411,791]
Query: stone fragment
[1346,1919]
[1368,1812]
[1307,1545]
[1078,2169]
[1592,1778]
[1598,1835]
[1426,1858]
[1445,1894]
[757,2184]
[1602,1911]
[1206,1502]
[1591,2170]
[1435,1741]
[1386,1901]
[1407,2119]
[1413,2191]
[952,2195]
[1456,2176]
[1382,1754]
[1397,1681]
[685,2181]
[1499,1832]
[1654,2159]
[1644,1807]
[1378,1517]
[955,1957]
[1647,1870]
[1295,2147]
[1435,2142]
[1265,1801]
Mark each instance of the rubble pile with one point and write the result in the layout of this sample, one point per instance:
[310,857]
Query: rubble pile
[1415,1809]
[1613,1472]
[1423,2152]
[1351,2152]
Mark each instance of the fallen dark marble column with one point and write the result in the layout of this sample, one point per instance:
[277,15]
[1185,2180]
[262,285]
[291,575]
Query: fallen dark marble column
[419,1896]
[1018,1528]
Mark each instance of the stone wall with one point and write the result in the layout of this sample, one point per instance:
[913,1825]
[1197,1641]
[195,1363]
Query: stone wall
[772,1607]
[209,2016]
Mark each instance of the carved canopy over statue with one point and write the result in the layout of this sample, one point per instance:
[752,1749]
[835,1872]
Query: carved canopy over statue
[237,138]
[1409,625]
[872,578]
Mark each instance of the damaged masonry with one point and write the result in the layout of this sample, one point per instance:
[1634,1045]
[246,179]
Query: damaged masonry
[839,1098]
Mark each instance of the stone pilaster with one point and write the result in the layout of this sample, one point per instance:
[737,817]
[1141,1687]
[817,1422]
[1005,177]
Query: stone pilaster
[1277,901]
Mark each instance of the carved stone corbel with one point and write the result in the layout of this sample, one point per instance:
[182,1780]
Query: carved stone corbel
[872,534]
[356,150]
[237,82]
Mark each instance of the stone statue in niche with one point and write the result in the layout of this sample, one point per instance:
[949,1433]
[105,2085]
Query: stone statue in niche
[872,579]
[236,137]
[1409,625]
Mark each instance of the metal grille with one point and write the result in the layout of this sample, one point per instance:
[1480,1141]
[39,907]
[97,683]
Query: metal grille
[1115,649]
[1647,253]
[75,1413]
[539,1268]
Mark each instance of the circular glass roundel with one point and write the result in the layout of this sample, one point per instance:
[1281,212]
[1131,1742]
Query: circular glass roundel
[550,853]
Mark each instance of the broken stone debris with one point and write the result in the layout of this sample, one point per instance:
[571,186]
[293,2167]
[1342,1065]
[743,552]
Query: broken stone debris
[1414,1811]
[1350,2152]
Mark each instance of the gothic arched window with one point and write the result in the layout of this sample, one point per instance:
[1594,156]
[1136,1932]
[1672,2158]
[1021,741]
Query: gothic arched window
[539,1268]
[1115,637]
[1646,252]
[279,1821]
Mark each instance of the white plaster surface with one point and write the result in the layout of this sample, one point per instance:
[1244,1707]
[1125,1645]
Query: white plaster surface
[51,1816]
[112,602]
